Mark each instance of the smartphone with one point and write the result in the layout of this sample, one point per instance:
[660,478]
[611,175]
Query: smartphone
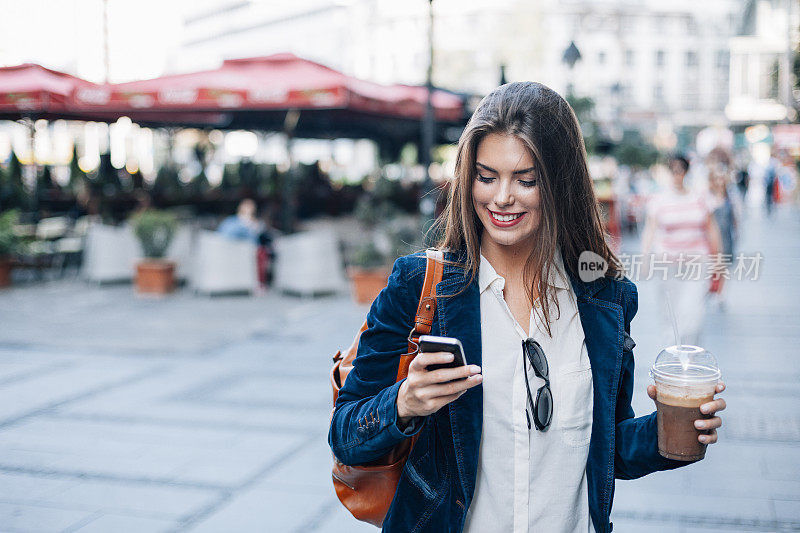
[432,343]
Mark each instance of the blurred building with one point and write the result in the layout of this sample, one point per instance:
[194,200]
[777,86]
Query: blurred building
[643,62]
[761,59]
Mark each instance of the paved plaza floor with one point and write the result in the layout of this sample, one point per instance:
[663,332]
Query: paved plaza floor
[127,414]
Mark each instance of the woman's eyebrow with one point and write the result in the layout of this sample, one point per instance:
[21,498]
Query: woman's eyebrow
[490,169]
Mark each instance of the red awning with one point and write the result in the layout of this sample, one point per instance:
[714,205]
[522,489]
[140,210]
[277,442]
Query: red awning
[276,82]
[35,91]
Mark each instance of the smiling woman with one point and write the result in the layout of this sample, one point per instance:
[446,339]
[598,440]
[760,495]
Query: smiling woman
[498,447]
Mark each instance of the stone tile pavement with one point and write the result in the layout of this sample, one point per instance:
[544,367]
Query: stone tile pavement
[128,414]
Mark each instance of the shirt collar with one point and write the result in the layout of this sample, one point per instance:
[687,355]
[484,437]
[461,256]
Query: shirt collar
[487,274]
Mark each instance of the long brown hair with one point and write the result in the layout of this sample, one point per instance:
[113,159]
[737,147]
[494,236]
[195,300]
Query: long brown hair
[570,215]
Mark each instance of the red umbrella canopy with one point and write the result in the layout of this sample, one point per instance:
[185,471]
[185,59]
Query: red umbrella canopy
[280,81]
[33,90]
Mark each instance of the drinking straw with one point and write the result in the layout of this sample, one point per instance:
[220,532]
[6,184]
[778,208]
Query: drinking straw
[674,321]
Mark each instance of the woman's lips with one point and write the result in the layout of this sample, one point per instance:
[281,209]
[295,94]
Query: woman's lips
[505,223]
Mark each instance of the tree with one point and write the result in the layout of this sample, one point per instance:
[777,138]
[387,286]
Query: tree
[583,107]
[12,190]
[634,151]
[77,177]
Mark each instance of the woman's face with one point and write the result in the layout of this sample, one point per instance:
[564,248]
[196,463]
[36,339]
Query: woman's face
[505,191]
[678,173]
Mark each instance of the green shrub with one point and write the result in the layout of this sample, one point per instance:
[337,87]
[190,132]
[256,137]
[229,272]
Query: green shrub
[367,256]
[154,228]
[10,242]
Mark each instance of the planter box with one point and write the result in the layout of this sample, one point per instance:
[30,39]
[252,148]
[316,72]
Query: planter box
[155,277]
[6,265]
[367,283]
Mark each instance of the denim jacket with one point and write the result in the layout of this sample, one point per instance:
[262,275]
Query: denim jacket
[438,482]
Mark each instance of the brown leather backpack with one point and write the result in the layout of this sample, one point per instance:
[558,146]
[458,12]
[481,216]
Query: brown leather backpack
[367,490]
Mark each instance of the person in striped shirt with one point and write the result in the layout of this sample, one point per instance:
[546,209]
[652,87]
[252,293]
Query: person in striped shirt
[681,243]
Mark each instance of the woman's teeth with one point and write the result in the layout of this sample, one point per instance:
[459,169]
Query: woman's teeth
[505,218]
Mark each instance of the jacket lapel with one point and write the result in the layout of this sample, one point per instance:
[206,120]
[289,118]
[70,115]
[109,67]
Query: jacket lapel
[602,321]
[458,305]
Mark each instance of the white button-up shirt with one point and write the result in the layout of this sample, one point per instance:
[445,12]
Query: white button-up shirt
[530,480]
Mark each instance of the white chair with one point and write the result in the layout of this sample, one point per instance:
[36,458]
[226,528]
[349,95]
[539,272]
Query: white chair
[309,263]
[222,265]
[180,251]
[110,253]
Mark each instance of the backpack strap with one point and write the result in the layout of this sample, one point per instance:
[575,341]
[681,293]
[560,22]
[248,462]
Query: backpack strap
[434,269]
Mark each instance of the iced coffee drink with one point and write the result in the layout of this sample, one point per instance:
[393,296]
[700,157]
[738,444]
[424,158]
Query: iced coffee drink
[685,378]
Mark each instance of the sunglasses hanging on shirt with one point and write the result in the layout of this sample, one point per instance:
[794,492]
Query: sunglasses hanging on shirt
[542,408]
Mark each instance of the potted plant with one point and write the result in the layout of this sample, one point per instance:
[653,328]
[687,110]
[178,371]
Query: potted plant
[10,243]
[368,272]
[155,228]
[369,264]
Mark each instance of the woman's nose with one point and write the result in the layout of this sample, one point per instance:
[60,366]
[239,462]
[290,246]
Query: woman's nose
[504,196]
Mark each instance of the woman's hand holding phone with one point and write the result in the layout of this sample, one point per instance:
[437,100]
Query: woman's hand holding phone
[426,391]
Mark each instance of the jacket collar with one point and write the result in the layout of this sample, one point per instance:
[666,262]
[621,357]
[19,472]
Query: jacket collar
[455,277]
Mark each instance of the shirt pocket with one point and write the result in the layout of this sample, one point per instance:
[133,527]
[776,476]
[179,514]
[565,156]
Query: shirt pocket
[573,410]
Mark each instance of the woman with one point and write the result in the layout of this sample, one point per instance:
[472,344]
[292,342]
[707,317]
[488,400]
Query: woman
[491,454]
[679,241]
[721,202]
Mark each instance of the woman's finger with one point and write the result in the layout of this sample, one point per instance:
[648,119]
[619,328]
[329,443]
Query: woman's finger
[720,387]
[651,391]
[711,438]
[711,423]
[441,401]
[713,406]
[422,360]
[443,375]
[449,389]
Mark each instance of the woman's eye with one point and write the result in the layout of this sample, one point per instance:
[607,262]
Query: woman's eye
[528,183]
[485,179]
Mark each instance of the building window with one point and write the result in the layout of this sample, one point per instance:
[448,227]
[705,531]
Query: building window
[691,25]
[601,58]
[658,93]
[691,58]
[660,58]
[629,56]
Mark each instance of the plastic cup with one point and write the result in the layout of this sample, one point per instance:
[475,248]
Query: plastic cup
[685,377]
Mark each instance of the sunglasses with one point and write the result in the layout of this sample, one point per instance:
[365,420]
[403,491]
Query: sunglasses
[542,408]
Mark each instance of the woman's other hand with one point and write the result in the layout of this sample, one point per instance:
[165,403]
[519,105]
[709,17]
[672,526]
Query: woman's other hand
[424,392]
[709,408]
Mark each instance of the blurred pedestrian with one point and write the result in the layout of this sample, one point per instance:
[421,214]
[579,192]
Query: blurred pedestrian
[742,180]
[265,258]
[726,214]
[244,225]
[771,181]
[679,239]
[521,216]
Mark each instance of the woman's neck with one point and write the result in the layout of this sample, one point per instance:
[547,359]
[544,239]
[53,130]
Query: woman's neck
[507,261]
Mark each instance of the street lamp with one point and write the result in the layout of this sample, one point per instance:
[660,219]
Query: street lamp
[427,199]
[571,56]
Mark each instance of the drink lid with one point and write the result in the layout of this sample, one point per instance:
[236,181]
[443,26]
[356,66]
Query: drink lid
[685,364]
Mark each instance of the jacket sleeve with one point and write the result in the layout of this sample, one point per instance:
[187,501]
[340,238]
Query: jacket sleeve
[364,423]
[636,440]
